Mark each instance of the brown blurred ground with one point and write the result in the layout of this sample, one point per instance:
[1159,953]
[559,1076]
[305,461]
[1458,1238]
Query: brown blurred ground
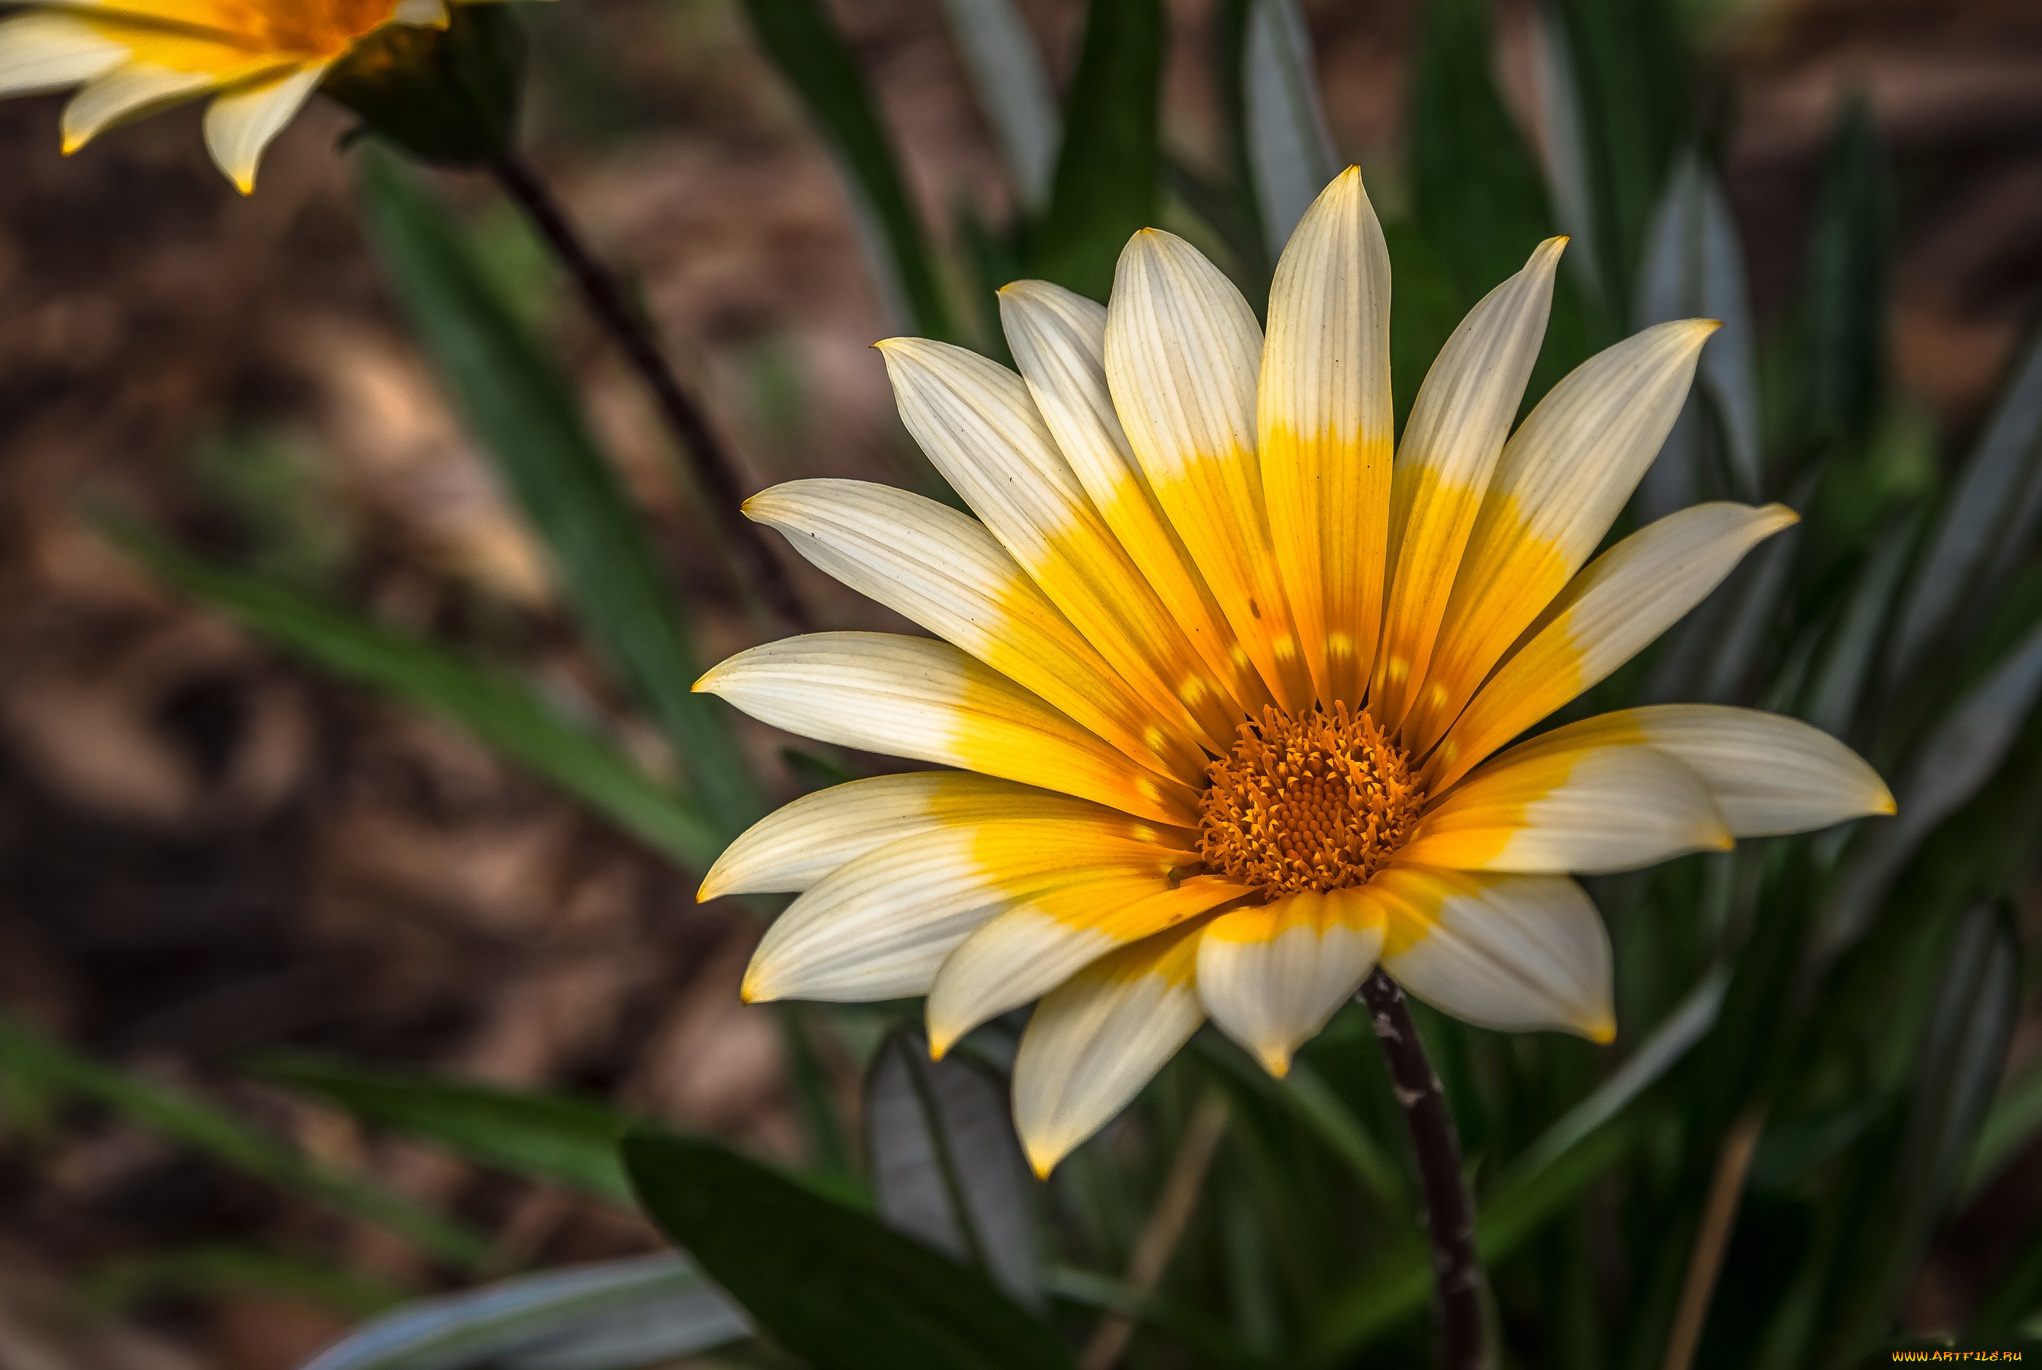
[205,851]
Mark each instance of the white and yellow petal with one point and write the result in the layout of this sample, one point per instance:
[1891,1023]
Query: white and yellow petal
[42,50]
[1624,599]
[1058,338]
[881,925]
[1562,480]
[1040,942]
[1327,432]
[943,570]
[1768,773]
[242,122]
[1094,1042]
[1271,976]
[1563,803]
[913,697]
[977,423]
[1183,354]
[1517,953]
[1451,444]
[796,845]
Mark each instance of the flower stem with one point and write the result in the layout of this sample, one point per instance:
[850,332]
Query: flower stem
[1449,1211]
[708,457]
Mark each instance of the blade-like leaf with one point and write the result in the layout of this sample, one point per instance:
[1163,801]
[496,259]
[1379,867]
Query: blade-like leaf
[1694,269]
[1013,89]
[526,418]
[804,43]
[499,710]
[188,1121]
[1950,766]
[1981,515]
[1109,172]
[827,1282]
[1841,677]
[946,1166]
[2012,1124]
[549,1137]
[644,1311]
[1843,339]
[1290,150]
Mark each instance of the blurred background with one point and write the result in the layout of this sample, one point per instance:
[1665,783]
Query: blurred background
[207,851]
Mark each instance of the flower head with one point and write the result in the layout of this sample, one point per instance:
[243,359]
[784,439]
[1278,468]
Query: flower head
[260,60]
[1228,687]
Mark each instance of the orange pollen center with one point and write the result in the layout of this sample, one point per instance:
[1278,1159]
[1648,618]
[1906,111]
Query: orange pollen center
[1317,801]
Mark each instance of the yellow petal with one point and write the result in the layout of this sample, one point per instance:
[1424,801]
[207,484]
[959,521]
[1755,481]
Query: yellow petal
[1563,478]
[976,422]
[1512,952]
[1627,597]
[911,697]
[1328,430]
[1270,977]
[944,570]
[795,846]
[1768,773]
[1040,942]
[1560,803]
[1451,442]
[1058,338]
[1182,356]
[1095,1041]
[879,926]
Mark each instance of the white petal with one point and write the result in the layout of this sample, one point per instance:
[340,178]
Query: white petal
[1270,977]
[1512,952]
[944,570]
[796,845]
[1451,442]
[1558,804]
[1039,943]
[43,51]
[241,123]
[1093,1043]
[879,926]
[911,697]
[1769,773]
[126,92]
[1625,598]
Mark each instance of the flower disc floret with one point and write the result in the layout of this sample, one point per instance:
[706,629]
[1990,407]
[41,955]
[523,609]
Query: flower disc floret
[1316,801]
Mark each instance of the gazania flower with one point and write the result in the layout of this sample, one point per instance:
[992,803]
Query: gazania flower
[1225,685]
[259,59]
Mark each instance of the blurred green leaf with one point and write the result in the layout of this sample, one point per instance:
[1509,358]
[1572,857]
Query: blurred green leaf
[2012,1124]
[1319,1111]
[1290,150]
[527,419]
[499,710]
[550,1137]
[1988,515]
[827,1282]
[1013,90]
[946,1166]
[188,1121]
[647,1310]
[1109,172]
[1426,310]
[117,1289]
[803,41]
[1845,670]
[1842,348]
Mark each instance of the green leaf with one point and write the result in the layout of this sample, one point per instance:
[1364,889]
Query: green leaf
[803,42]
[526,418]
[1013,90]
[2011,1125]
[1397,1286]
[498,709]
[1290,150]
[1109,172]
[827,1282]
[1843,325]
[115,1290]
[644,1311]
[550,1137]
[181,1118]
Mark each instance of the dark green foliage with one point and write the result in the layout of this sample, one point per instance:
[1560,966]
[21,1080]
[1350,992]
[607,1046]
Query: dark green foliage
[445,96]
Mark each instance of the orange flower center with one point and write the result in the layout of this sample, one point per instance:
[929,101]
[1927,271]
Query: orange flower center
[1317,801]
[322,27]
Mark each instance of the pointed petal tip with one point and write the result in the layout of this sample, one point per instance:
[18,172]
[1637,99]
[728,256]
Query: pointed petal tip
[1601,1031]
[1275,1060]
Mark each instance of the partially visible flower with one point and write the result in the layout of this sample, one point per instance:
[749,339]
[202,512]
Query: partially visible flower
[1229,691]
[260,60]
